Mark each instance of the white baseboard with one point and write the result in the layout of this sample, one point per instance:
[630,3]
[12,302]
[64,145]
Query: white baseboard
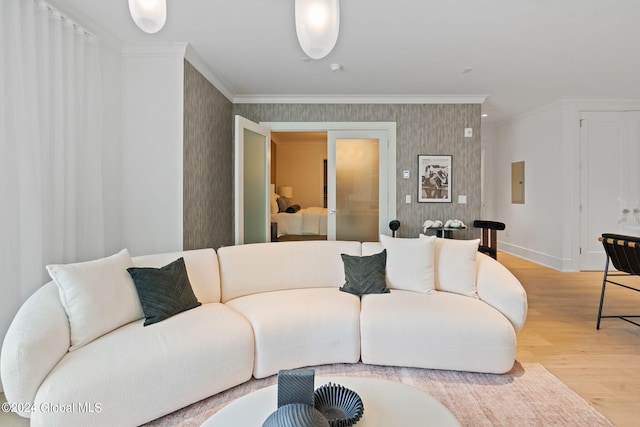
[546,260]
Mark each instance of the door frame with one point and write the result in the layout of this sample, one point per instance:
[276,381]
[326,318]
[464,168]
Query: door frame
[388,127]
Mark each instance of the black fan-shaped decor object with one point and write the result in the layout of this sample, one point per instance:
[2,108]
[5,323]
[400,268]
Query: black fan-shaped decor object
[342,407]
[296,415]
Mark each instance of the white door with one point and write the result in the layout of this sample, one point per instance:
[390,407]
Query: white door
[609,198]
[252,178]
[357,185]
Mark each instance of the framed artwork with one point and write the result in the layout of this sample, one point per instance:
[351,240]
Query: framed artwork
[434,182]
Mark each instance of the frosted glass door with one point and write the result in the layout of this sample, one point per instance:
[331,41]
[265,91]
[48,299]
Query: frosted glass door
[253,152]
[354,186]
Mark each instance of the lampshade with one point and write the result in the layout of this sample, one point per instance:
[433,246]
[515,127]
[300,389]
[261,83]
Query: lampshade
[317,26]
[286,192]
[149,15]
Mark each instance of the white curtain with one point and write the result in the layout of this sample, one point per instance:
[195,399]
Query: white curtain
[51,207]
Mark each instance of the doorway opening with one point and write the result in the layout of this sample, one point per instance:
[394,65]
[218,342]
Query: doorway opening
[379,187]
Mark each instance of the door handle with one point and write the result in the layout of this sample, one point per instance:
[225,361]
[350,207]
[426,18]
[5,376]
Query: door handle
[332,211]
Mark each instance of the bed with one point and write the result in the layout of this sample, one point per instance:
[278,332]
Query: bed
[308,221]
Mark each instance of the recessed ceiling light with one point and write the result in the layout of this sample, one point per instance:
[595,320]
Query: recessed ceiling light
[336,68]
[306,59]
[466,70]
[484,115]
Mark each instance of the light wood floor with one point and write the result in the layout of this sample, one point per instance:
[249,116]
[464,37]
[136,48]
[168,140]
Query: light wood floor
[601,366]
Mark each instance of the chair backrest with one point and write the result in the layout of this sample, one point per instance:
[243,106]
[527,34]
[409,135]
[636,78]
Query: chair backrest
[624,252]
[489,240]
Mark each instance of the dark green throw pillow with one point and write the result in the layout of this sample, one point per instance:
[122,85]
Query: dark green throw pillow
[163,292]
[366,274]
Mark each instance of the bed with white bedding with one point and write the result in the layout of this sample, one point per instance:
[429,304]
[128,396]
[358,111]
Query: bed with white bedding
[307,221]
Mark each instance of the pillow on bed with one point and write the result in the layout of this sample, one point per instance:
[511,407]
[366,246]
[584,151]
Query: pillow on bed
[274,204]
[283,204]
[293,208]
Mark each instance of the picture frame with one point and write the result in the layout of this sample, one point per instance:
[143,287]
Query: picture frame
[434,178]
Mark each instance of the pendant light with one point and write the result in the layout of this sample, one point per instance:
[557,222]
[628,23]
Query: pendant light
[149,15]
[317,26]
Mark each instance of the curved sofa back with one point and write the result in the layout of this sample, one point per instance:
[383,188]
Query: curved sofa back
[202,269]
[264,267]
[36,341]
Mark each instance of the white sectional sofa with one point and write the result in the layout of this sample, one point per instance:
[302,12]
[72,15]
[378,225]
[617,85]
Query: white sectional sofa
[265,307]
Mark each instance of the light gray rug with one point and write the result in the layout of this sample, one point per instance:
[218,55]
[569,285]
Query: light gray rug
[528,395]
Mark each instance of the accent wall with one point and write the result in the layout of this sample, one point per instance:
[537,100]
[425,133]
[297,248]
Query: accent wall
[421,129]
[208,164]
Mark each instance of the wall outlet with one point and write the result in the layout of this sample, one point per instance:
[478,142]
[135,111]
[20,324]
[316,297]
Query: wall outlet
[406,174]
[407,198]
[462,199]
[468,132]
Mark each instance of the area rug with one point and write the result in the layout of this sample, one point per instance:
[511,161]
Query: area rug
[528,395]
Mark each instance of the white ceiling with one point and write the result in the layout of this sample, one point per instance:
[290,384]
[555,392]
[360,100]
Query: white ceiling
[523,53]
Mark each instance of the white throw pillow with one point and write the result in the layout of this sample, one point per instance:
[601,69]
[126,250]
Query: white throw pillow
[410,263]
[455,263]
[98,296]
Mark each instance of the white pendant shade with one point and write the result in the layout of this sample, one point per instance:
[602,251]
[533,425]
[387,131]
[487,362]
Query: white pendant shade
[317,26]
[149,15]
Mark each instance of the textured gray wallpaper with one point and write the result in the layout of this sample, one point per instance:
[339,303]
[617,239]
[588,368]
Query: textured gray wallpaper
[208,164]
[421,129]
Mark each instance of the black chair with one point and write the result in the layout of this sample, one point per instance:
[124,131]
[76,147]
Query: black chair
[394,225]
[624,253]
[489,240]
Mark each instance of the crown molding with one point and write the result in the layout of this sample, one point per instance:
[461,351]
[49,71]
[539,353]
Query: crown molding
[359,99]
[198,63]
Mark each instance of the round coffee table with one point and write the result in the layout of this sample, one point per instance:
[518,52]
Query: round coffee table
[386,403]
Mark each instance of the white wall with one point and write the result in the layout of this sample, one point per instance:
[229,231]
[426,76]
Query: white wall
[152,149]
[546,229]
[300,165]
[535,228]
[488,139]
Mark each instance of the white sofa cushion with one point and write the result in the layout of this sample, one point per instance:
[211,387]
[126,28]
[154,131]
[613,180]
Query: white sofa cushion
[98,296]
[138,374]
[410,263]
[440,330]
[455,266]
[301,327]
[264,267]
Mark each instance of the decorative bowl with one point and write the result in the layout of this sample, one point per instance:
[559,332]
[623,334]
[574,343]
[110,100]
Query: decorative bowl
[295,415]
[340,406]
